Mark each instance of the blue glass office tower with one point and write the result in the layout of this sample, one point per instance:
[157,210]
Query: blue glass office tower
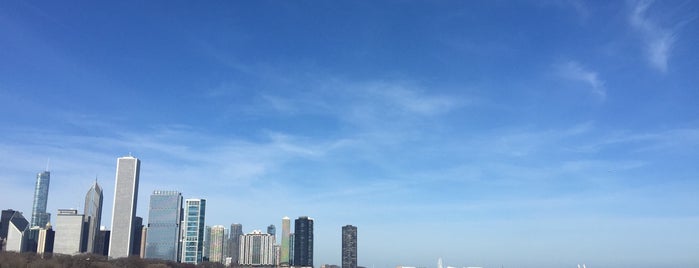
[193,234]
[164,218]
[41,196]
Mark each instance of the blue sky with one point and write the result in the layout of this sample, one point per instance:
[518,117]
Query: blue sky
[493,133]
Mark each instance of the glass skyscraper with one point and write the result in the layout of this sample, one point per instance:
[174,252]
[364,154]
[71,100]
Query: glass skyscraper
[303,242]
[93,214]
[41,195]
[349,246]
[234,242]
[164,217]
[124,212]
[193,234]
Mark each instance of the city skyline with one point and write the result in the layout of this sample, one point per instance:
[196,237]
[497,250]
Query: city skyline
[496,133]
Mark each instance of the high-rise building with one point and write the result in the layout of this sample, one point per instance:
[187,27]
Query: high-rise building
[70,232]
[164,218]
[207,238]
[102,242]
[234,242]
[217,243]
[257,249]
[31,239]
[4,225]
[41,196]
[16,226]
[303,242]
[93,214]
[291,249]
[46,240]
[286,231]
[124,211]
[271,229]
[349,246]
[193,231]
[142,247]
[137,236]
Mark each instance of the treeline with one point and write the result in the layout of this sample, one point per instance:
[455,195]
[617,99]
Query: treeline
[33,260]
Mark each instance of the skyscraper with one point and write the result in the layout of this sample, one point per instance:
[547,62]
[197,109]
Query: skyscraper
[271,229]
[193,230]
[284,254]
[137,236]
[303,242]
[164,217]
[217,241]
[41,196]
[93,214]
[349,246]
[124,211]
[205,246]
[102,242]
[70,232]
[16,226]
[286,231]
[234,242]
[257,249]
[45,240]
[291,249]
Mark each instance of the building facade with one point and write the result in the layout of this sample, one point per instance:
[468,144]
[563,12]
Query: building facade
[284,248]
[217,243]
[70,232]
[93,214]
[193,231]
[303,242]
[349,246]
[124,210]
[41,195]
[164,218]
[17,225]
[234,242]
[271,229]
[257,249]
[46,240]
[137,236]
[102,242]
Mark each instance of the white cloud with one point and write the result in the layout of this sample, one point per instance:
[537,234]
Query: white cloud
[574,71]
[658,41]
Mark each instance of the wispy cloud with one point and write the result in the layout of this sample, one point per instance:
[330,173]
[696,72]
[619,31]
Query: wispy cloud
[657,41]
[574,71]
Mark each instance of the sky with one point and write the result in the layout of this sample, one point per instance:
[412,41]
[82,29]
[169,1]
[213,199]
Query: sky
[487,133]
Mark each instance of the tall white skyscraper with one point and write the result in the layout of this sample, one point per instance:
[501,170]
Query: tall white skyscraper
[193,230]
[124,212]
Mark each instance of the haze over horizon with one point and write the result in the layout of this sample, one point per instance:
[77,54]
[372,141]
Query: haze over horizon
[493,133]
